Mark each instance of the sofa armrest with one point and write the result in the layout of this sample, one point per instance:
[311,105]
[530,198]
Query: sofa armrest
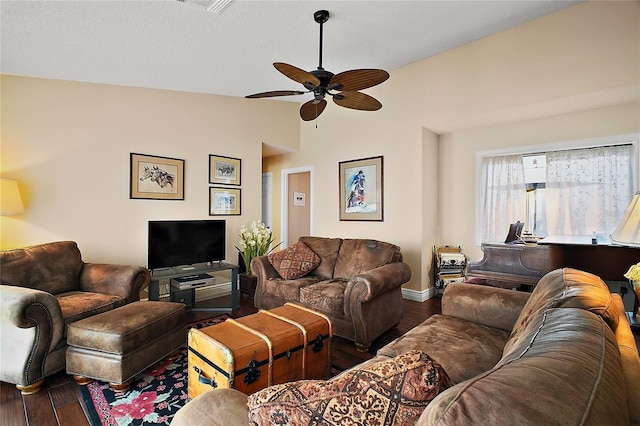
[491,306]
[31,326]
[630,359]
[217,407]
[120,280]
[263,269]
[369,285]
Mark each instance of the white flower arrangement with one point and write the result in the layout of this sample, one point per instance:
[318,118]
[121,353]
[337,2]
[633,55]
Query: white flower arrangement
[254,241]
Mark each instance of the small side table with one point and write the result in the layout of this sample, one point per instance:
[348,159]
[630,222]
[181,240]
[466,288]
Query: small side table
[248,284]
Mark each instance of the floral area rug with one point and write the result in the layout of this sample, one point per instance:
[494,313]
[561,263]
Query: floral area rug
[154,399]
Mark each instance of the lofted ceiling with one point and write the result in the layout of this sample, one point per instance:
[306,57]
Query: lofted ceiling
[177,46]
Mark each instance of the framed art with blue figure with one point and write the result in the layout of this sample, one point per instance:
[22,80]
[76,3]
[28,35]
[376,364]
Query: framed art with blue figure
[361,189]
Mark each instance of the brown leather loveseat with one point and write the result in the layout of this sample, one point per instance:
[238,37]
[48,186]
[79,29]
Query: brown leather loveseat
[44,288]
[357,284]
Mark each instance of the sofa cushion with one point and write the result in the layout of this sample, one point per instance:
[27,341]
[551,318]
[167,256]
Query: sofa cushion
[357,256]
[76,305]
[327,249]
[294,261]
[326,296]
[568,288]
[464,348]
[53,267]
[391,392]
[287,289]
[567,371]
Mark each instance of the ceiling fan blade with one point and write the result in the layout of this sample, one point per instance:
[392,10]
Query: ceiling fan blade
[310,110]
[303,77]
[359,79]
[357,100]
[275,93]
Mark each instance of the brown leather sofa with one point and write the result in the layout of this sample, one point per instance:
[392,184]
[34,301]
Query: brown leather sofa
[358,285]
[561,355]
[44,288]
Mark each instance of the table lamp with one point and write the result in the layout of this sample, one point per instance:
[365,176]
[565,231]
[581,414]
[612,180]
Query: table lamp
[627,233]
[10,201]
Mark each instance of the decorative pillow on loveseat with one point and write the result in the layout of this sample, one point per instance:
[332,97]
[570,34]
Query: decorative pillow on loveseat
[295,261]
[390,392]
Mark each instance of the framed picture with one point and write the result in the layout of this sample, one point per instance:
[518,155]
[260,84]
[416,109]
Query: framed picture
[156,178]
[361,189]
[224,170]
[224,201]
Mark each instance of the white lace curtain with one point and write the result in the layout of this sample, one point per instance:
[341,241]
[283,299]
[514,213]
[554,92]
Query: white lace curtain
[503,195]
[588,189]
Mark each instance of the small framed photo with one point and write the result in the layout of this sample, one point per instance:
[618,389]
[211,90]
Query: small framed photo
[156,178]
[361,189]
[224,170]
[224,201]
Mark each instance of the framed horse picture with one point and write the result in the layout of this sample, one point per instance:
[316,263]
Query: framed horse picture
[361,189]
[224,170]
[156,178]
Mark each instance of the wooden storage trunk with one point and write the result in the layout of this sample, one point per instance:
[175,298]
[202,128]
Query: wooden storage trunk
[318,330]
[256,351]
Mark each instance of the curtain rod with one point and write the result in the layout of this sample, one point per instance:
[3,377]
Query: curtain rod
[578,149]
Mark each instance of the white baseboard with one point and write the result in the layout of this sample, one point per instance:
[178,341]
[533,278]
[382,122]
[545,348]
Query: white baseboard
[417,295]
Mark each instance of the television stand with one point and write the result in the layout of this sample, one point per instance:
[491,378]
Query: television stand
[166,274]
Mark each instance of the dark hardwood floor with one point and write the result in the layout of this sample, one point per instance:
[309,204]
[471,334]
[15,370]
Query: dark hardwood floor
[59,402]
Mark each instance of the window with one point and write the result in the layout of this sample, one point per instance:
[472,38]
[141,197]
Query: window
[557,192]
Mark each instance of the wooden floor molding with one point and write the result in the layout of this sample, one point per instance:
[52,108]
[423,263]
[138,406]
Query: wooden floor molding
[59,402]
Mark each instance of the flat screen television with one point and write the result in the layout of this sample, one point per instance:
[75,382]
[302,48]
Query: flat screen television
[174,243]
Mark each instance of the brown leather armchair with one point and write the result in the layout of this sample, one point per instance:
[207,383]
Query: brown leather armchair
[42,289]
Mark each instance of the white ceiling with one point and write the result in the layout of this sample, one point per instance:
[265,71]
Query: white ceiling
[176,46]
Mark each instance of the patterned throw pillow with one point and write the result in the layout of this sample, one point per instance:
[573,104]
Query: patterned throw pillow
[295,261]
[390,392]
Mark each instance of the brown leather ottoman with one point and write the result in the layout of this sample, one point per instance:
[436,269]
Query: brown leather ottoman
[117,345]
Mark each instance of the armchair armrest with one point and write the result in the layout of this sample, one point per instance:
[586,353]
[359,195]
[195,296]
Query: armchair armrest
[491,306]
[369,285]
[31,326]
[121,280]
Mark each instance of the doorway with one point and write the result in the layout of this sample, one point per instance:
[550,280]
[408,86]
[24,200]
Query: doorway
[296,204]
[267,199]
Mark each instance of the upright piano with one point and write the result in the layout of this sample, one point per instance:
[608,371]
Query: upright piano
[520,266]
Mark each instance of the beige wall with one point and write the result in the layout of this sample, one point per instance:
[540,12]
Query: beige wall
[68,145]
[571,75]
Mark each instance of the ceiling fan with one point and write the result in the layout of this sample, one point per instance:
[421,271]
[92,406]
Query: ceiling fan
[343,87]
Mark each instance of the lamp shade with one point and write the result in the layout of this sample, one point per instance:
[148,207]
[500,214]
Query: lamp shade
[10,201]
[628,230]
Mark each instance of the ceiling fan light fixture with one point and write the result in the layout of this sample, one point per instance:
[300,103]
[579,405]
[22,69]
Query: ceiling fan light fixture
[215,6]
[322,82]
